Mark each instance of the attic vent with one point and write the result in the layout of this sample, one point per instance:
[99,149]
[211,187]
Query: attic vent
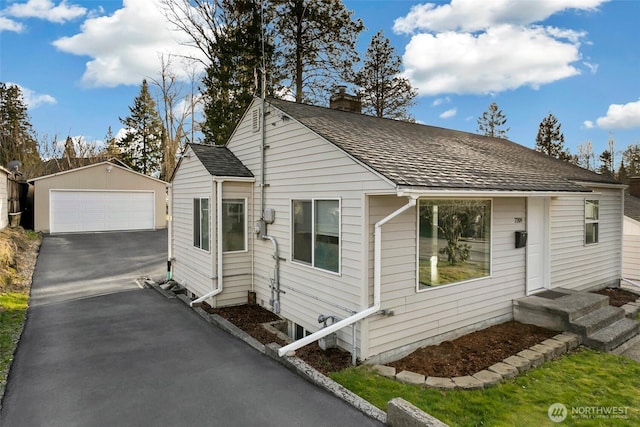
[255,120]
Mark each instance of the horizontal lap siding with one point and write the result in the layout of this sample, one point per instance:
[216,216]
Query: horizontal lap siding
[631,250]
[575,265]
[429,316]
[236,266]
[192,266]
[301,165]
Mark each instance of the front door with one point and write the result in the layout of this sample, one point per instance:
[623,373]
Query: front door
[537,244]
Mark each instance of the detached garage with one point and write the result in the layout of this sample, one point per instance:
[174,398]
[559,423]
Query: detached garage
[101,197]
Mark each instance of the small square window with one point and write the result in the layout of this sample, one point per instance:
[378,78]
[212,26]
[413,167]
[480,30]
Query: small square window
[316,233]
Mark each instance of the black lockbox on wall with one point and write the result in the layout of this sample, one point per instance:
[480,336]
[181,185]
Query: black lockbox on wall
[521,239]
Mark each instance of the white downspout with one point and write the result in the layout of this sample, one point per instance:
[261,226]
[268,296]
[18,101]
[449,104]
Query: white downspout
[218,289]
[377,275]
[169,231]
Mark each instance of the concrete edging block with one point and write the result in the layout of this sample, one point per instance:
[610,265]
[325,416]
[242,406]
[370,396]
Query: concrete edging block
[440,383]
[401,413]
[409,377]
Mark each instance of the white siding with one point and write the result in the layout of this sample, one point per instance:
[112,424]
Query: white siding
[192,267]
[432,315]
[4,211]
[575,265]
[631,250]
[301,165]
[236,270]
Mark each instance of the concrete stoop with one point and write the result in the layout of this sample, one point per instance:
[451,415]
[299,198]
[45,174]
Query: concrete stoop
[601,326]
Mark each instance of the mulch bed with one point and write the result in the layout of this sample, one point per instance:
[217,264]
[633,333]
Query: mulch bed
[473,352]
[463,356]
[618,297]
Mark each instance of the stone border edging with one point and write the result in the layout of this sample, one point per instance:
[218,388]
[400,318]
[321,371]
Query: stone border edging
[510,367]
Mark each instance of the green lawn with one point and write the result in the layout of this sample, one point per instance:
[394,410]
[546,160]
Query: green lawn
[585,382]
[13,309]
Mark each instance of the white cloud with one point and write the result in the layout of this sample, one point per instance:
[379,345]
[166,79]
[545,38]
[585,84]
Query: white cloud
[440,101]
[449,113]
[47,10]
[588,124]
[503,58]
[479,47]
[7,24]
[621,116]
[125,46]
[33,99]
[592,67]
[474,15]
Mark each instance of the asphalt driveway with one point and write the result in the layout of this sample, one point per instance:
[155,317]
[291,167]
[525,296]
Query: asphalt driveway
[98,350]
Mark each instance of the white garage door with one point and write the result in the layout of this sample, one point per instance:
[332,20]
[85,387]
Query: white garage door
[78,211]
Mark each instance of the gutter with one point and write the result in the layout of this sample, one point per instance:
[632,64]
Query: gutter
[377,277]
[219,287]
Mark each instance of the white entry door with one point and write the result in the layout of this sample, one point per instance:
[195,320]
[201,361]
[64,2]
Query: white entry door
[537,244]
[82,211]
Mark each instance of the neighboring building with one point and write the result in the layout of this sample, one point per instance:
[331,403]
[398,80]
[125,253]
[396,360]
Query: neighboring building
[104,196]
[4,196]
[631,250]
[413,233]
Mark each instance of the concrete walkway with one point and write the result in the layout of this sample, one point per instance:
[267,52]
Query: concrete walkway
[98,350]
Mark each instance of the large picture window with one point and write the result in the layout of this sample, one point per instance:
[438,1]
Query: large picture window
[591,221]
[454,242]
[234,226]
[316,233]
[201,223]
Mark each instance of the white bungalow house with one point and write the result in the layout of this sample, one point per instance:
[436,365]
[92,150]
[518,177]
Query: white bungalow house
[414,234]
[631,249]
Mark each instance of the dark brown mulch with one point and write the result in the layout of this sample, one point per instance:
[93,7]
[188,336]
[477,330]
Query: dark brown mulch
[473,352]
[617,297]
[250,317]
[463,356]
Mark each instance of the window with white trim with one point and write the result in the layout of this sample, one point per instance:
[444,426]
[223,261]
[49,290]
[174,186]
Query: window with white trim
[201,223]
[591,221]
[316,233]
[454,241]
[234,225]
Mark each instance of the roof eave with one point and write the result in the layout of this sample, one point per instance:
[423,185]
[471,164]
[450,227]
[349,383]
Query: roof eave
[450,193]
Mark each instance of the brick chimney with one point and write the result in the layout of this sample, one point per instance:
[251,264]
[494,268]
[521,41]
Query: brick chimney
[634,186]
[342,101]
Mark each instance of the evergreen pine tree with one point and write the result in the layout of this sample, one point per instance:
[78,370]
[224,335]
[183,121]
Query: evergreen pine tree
[17,141]
[606,163]
[111,144]
[384,92]
[140,146]
[492,121]
[231,80]
[317,46]
[550,140]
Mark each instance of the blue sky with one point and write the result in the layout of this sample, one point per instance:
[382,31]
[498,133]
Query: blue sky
[80,63]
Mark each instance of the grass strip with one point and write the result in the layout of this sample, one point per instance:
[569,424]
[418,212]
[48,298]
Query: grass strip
[589,383]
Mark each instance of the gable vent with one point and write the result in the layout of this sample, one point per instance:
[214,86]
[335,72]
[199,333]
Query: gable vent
[255,120]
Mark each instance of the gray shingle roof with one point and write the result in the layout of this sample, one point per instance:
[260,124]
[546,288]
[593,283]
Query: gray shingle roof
[220,161]
[427,157]
[631,206]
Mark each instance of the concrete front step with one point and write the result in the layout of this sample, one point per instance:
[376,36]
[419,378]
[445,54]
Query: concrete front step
[559,310]
[596,320]
[612,336]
